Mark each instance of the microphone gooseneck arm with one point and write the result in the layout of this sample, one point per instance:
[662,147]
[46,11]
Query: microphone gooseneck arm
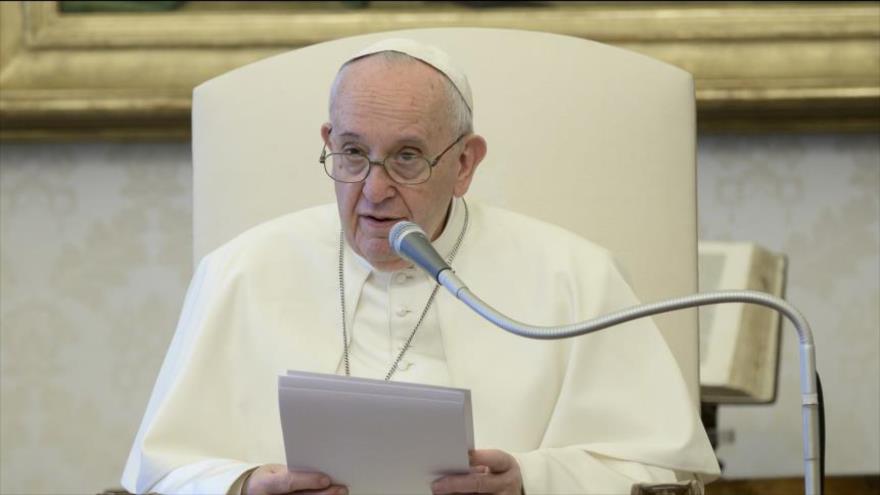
[809,396]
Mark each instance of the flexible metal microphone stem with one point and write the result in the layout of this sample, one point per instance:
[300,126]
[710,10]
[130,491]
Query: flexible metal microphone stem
[809,397]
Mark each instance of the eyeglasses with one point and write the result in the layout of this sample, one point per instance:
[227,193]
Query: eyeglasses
[404,167]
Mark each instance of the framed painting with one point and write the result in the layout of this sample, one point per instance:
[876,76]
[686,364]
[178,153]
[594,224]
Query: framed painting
[87,70]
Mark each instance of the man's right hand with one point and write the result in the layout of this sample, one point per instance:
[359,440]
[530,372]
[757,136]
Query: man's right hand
[275,479]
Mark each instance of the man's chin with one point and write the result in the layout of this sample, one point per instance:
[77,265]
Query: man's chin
[383,258]
[392,266]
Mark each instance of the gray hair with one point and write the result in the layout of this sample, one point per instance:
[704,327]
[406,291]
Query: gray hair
[461,119]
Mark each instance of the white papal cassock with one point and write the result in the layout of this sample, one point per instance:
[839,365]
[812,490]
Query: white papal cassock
[592,414]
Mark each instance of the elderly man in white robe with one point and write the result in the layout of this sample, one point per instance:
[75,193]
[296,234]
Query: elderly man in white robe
[321,290]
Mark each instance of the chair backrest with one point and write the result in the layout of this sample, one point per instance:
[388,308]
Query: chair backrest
[590,137]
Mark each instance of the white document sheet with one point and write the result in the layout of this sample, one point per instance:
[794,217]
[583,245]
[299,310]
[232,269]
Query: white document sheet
[374,436]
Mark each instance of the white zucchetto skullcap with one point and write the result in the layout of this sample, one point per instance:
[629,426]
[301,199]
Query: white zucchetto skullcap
[428,54]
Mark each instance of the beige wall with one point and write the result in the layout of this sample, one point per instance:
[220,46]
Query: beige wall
[94,264]
[817,199]
[94,261]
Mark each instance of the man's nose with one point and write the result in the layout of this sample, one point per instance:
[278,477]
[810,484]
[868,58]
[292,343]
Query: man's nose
[378,186]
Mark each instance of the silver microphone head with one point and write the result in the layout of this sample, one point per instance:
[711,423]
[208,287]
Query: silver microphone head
[401,230]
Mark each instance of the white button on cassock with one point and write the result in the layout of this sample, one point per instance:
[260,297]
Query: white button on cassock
[401,311]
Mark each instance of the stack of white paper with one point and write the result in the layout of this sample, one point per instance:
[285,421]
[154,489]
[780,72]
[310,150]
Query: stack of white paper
[374,436]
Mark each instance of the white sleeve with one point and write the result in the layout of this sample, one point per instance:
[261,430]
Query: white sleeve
[570,470]
[623,415]
[151,467]
[213,476]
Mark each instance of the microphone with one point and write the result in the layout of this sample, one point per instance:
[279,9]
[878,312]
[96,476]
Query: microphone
[411,243]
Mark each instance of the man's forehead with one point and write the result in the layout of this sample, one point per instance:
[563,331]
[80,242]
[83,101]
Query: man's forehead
[403,137]
[370,71]
[431,55]
[367,140]
[369,95]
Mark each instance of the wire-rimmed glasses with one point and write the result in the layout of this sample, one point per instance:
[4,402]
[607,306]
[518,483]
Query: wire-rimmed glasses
[405,166]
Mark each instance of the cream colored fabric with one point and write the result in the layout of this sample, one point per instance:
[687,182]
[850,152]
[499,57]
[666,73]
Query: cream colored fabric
[590,137]
[572,411]
[388,309]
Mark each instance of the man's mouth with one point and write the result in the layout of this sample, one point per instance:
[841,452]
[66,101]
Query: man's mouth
[380,220]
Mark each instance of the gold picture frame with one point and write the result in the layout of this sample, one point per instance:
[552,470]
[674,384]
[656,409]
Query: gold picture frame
[759,67]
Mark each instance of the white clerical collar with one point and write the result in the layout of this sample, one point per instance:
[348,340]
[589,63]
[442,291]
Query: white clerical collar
[443,244]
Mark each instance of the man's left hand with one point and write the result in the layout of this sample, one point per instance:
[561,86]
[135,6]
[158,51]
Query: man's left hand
[492,471]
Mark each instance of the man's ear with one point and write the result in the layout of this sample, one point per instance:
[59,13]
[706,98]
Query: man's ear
[325,132]
[471,155]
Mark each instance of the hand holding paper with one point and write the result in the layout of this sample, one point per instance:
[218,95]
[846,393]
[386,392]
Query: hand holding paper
[375,436]
[492,471]
[275,479]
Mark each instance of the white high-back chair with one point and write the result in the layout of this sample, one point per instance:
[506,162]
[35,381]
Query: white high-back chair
[590,137]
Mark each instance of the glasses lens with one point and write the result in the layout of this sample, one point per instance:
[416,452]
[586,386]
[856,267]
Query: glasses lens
[408,168]
[346,167]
